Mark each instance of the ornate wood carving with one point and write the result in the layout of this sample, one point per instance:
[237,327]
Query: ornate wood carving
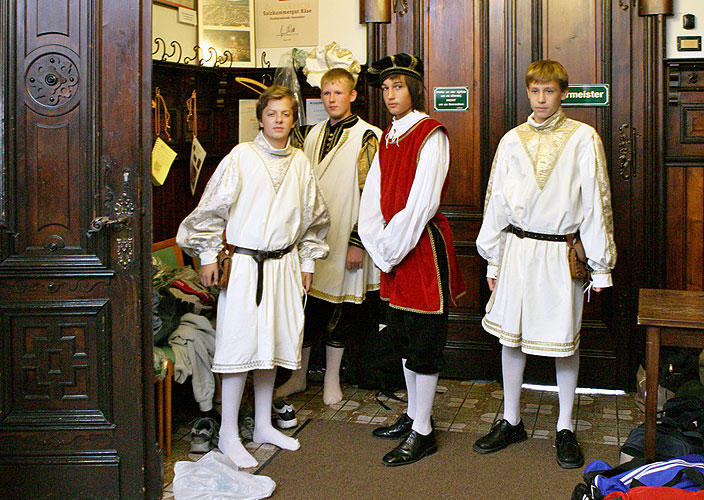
[627,151]
[52,79]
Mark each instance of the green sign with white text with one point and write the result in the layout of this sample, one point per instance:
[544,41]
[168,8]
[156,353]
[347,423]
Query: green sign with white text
[451,98]
[588,95]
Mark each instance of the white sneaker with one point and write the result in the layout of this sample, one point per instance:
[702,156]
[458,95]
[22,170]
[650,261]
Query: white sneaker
[204,435]
[283,414]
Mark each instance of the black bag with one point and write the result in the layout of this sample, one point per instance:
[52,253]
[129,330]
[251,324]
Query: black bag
[677,366]
[374,359]
[679,431]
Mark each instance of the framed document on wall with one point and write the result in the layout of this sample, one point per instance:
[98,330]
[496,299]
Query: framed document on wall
[226,32]
[291,23]
[189,4]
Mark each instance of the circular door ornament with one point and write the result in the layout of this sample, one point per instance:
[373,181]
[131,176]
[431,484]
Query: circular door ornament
[52,80]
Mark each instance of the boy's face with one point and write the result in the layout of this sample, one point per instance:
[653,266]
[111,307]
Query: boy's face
[337,98]
[397,96]
[277,122]
[545,99]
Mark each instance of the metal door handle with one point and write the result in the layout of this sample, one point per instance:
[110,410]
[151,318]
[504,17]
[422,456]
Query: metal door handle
[99,223]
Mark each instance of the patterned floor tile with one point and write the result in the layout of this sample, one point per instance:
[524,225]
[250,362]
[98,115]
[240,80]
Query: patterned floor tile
[460,406]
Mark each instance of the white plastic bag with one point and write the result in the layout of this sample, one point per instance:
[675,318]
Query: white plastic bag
[215,477]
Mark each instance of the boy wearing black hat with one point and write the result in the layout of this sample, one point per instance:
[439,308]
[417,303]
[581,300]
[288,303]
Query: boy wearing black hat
[410,241]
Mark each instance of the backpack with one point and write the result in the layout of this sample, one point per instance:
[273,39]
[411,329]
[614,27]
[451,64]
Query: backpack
[600,479]
[679,431]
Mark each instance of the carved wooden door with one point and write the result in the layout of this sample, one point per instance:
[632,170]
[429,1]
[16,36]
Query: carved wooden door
[76,383]
[486,47]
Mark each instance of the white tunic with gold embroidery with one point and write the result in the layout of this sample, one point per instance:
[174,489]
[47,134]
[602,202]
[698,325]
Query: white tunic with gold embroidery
[548,178]
[268,199]
[341,175]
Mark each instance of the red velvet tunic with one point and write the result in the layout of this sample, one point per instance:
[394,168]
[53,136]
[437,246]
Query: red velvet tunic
[414,284]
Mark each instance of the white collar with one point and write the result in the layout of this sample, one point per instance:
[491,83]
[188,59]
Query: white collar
[402,125]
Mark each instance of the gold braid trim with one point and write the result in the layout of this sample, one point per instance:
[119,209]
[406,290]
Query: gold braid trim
[544,147]
[370,145]
[490,185]
[602,180]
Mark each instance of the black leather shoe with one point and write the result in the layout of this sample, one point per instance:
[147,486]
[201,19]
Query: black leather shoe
[500,436]
[569,454]
[399,430]
[411,449]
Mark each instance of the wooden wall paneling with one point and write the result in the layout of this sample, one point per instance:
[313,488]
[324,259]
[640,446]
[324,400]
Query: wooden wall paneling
[599,41]
[452,59]
[695,228]
[676,227]
[623,133]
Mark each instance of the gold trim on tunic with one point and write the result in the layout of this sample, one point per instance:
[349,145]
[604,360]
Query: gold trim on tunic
[544,146]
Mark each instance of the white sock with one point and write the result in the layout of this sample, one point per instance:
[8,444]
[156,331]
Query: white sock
[567,371]
[229,442]
[264,431]
[410,377]
[513,363]
[332,392]
[425,397]
[297,381]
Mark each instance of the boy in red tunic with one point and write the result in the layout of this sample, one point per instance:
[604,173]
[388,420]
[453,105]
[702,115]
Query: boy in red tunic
[410,241]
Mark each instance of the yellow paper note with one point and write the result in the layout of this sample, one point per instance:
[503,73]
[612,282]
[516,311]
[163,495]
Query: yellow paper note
[162,158]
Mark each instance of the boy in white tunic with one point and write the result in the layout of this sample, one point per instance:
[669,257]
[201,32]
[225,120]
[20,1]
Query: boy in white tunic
[265,195]
[341,149]
[549,179]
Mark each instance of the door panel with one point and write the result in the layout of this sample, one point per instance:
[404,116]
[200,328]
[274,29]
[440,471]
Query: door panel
[487,46]
[76,411]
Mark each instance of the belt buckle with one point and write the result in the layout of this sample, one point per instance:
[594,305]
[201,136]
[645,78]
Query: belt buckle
[276,254]
[519,232]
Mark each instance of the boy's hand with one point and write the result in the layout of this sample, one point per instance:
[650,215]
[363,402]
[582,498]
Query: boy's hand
[209,274]
[492,282]
[355,257]
[307,281]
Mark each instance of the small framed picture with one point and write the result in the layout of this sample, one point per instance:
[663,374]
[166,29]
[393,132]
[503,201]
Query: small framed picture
[189,4]
[226,32]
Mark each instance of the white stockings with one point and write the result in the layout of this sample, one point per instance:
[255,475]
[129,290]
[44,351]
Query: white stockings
[264,431]
[513,363]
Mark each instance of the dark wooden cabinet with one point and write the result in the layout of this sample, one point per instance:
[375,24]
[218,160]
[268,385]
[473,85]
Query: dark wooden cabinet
[684,173]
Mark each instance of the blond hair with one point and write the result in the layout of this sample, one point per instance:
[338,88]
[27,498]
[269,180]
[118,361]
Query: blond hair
[546,71]
[338,75]
[274,93]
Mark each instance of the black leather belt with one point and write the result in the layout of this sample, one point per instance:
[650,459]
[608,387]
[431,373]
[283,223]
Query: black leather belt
[522,233]
[260,256]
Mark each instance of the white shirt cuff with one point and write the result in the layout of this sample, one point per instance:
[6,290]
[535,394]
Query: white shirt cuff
[492,270]
[208,257]
[308,265]
[602,280]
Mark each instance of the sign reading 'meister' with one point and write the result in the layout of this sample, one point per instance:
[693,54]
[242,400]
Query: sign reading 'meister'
[588,95]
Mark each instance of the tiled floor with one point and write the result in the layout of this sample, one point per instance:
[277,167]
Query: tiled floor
[460,406]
